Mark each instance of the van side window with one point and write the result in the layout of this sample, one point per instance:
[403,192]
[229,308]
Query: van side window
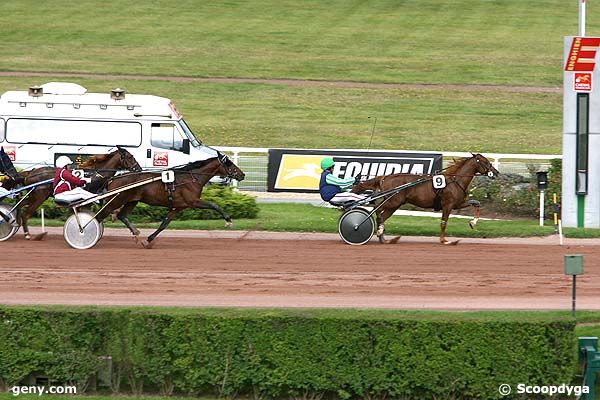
[80,132]
[1,130]
[166,136]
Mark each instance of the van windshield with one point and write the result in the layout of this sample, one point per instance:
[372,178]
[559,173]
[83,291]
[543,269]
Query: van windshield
[188,133]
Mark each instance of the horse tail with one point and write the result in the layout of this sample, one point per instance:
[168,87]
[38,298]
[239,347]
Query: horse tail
[369,184]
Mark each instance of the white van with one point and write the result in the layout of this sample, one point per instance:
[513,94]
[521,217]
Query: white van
[38,125]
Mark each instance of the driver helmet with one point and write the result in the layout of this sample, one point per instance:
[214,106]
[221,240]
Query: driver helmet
[326,163]
[63,161]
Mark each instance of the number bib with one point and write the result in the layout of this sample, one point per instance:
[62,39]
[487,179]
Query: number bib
[439,181]
[168,176]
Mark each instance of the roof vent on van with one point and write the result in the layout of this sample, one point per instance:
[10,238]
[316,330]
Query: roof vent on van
[117,94]
[65,88]
[36,91]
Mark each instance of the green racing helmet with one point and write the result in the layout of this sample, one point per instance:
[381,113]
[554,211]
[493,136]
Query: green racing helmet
[327,162]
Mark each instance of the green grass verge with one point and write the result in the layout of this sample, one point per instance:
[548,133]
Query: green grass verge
[458,41]
[283,217]
[268,115]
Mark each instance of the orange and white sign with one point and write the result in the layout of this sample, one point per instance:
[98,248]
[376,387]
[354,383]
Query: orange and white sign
[11,152]
[582,81]
[582,55]
[160,159]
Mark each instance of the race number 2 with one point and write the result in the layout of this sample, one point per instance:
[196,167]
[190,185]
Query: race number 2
[439,181]
[78,173]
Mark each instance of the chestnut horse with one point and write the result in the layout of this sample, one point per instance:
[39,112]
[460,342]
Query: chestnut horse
[453,197]
[105,165]
[183,193]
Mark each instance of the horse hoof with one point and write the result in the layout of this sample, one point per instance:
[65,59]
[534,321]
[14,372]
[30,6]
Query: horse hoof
[136,238]
[228,224]
[448,243]
[136,232]
[147,244]
[27,236]
[381,239]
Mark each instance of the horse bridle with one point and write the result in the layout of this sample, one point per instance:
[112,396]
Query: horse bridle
[124,159]
[226,163]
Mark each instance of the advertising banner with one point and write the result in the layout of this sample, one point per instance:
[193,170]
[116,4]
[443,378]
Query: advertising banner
[300,170]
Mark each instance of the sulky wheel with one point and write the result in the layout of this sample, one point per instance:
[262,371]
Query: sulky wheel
[10,227]
[90,235]
[356,226]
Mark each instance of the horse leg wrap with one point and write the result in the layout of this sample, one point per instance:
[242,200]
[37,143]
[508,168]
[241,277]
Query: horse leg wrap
[380,229]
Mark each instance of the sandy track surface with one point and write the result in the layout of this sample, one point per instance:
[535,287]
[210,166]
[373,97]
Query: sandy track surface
[212,268]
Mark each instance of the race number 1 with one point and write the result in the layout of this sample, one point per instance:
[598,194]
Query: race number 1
[168,176]
[439,181]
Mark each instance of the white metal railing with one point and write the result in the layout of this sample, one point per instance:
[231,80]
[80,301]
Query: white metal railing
[254,162]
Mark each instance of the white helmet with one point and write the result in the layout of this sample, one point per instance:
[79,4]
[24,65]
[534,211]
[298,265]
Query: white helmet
[63,161]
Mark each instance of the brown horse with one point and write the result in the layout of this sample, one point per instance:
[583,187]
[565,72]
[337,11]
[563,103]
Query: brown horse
[105,165]
[183,193]
[453,197]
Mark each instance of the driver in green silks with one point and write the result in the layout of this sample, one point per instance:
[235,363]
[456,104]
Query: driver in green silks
[332,188]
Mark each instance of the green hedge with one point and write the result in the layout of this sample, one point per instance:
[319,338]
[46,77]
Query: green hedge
[517,195]
[236,204]
[278,353]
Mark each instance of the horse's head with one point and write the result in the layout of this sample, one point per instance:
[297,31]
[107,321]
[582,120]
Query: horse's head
[128,161]
[6,166]
[118,159]
[484,166]
[229,169]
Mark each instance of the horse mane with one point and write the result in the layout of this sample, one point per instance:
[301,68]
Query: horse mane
[95,159]
[456,164]
[369,184]
[195,165]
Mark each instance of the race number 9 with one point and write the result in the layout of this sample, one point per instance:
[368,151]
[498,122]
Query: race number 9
[439,181]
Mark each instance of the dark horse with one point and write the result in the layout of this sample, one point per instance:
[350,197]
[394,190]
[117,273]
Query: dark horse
[453,197]
[183,193]
[105,166]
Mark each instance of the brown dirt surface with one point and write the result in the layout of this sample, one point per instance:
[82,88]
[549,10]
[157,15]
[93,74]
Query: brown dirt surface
[258,269]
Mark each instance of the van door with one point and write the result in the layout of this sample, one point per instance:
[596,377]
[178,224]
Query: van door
[169,148]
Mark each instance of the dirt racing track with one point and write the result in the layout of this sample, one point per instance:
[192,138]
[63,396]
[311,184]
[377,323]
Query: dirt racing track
[254,269]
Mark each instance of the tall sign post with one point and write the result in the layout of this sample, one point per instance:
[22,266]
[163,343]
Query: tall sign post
[573,267]
[581,129]
[581,18]
[542,184]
